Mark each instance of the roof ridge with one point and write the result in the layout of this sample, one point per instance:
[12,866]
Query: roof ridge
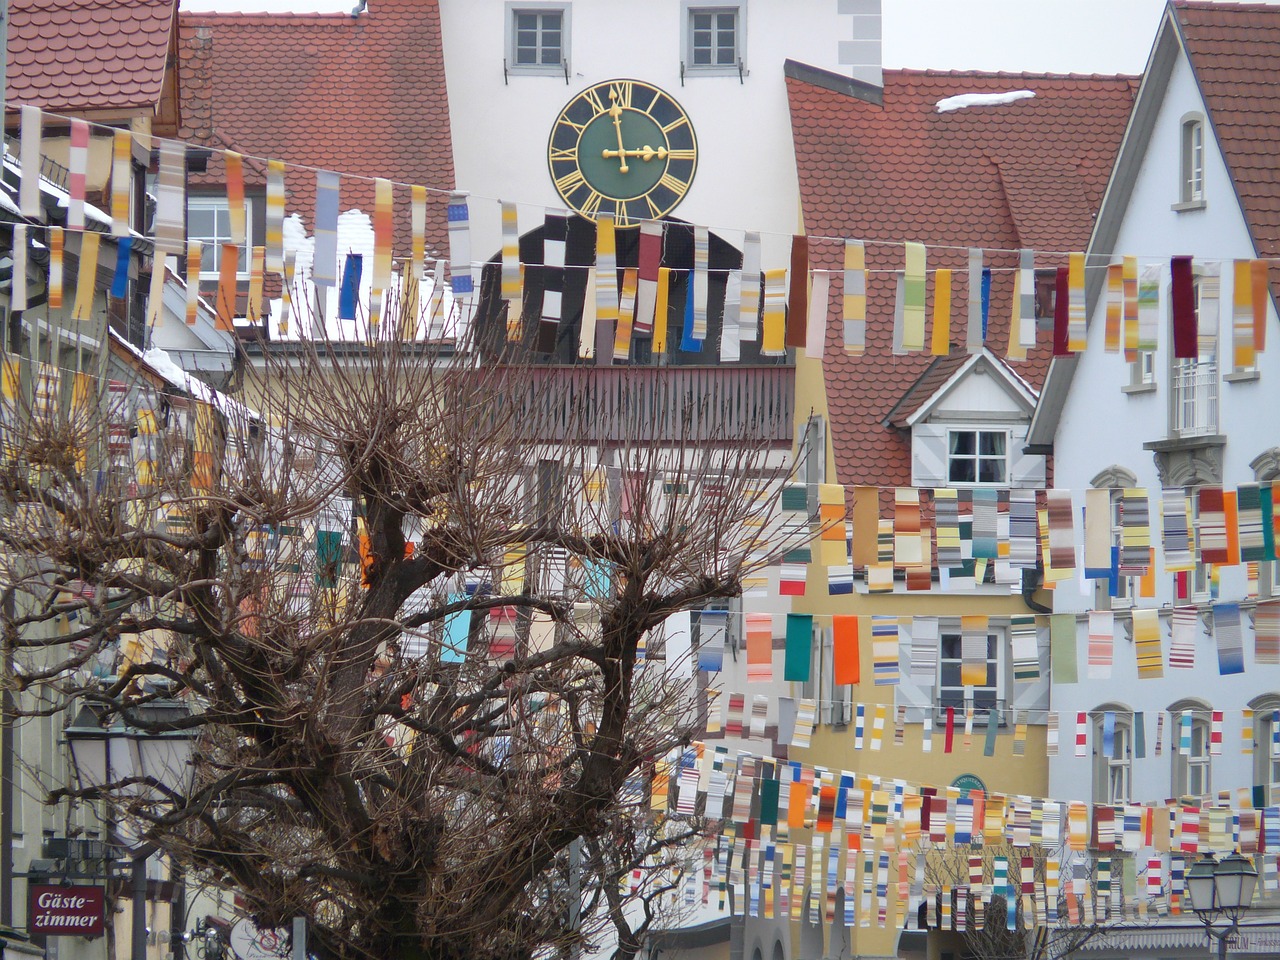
[1006,74]
[1225,5]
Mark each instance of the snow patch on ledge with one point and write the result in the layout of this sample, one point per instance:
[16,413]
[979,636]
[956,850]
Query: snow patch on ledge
[948,104]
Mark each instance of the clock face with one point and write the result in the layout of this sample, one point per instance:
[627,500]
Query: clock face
[623,147]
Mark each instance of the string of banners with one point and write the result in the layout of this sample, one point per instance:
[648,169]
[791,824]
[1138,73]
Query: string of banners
[791,840]
[957,726]
[971,536]
[778,308]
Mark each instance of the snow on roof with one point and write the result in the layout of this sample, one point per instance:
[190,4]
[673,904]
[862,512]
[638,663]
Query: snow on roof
[948,104]
[163,364]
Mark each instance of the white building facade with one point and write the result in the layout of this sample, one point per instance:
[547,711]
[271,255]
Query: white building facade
[512,65]
[1159,423]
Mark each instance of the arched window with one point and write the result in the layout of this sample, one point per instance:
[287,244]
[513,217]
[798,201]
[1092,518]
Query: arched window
[1115,479]
[1112,753]
[1192,764]
[1192,166]
[1266,749]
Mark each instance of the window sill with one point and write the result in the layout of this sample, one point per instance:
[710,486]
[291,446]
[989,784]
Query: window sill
[691,73]
[554,70]
[1186,205]
[1242,376]
[1137,389]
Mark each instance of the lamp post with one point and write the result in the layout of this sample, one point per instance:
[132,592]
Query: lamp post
[1221,888]
[103,755]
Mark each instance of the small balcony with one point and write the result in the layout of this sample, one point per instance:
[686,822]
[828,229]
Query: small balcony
[730,403]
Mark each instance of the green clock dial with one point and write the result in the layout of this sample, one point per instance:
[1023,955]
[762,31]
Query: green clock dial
[623,147]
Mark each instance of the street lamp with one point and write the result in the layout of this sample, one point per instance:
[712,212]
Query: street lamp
[1221,888]
[103,755]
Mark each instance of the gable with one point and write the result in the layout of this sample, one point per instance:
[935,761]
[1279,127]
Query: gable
[982,389]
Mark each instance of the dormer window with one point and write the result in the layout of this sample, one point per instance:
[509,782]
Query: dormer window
[1192,165]
[978,456]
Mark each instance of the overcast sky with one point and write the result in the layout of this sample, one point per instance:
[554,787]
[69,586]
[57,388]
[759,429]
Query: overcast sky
[1057,36]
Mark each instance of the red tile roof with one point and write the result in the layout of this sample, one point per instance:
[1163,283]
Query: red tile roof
[1234,49]
[1024,174]
[80,56]
[363,96]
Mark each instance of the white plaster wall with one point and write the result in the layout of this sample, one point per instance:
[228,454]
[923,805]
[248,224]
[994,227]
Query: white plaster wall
[1101,425]
[746,178]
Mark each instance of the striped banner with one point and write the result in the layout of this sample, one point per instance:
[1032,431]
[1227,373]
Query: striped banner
[913,304]
[775,309]
[1148,322]
[512,277]
[819,304]
[1062,536]
[855,298]
[1132,296]
[752,278]
[1025,649]
[1101,643]
[1213,526]
[1146,638]
[380,279]
[122,182]
[1177,540]
[884,651]
[234,164]
[1226,632]
[1266,625]
[29,163]
[940,341]
[975,330]
[275,217]
[1026,300]
[650,259]
[555,232]
[87,276]
[759,630]
[459,217]
[1115,308]
[1076,318]
[171,199]
[195,250]
[57,242]
[324,262]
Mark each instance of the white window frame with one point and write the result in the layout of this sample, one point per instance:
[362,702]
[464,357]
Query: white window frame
[688,8]
[1201,588]
[1110,772]
[540,8]
[1191,162]
[211,255]
[1142,371]
[1195,386]
[978,457]
[948,632]
[1266,768]
[1184,766]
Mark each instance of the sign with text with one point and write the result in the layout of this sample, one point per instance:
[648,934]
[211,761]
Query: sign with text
[65,911]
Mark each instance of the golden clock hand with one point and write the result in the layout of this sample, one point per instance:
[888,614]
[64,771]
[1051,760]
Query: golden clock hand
[615,111]
[645,153]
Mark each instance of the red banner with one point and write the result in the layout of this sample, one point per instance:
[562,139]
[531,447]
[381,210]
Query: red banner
[76,911]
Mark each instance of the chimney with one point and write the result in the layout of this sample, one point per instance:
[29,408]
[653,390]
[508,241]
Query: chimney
[862,53]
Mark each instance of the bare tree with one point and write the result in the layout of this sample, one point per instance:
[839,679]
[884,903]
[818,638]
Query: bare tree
[402,594]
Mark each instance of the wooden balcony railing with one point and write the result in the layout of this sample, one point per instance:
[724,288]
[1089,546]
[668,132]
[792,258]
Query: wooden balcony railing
[659,404]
